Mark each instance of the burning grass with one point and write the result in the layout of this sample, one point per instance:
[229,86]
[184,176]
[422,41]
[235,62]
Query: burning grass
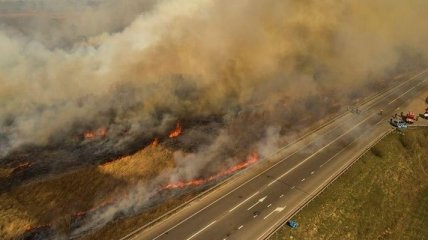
[251,159]
[63,202]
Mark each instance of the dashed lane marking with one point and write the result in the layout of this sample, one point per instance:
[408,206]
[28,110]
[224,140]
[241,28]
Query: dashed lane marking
[198,232]
[231,210]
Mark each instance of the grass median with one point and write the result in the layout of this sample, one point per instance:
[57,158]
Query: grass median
[383,196]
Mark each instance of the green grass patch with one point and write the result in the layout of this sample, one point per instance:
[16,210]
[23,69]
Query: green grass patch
[382,196]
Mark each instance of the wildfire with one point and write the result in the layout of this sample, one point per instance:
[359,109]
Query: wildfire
[93,209]
[176,132]
[22,166]
[97,133]
[251,159]
[155,142]
[31,228]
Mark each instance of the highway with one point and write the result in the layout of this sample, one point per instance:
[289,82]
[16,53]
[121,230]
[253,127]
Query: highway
[255,203]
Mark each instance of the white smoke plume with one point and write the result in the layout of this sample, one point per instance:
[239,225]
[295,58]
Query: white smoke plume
[138,67]
[199,57]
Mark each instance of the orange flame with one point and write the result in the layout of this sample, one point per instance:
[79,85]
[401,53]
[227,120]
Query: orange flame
[98,133]
[251,159]
[176,132]
[31,228]
[93,209]
[155,142]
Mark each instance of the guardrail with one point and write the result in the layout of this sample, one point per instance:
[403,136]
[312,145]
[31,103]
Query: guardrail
[284,220]
[310,131]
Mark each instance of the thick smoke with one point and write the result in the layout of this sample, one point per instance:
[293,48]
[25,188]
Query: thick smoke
[256,67]
[199,58]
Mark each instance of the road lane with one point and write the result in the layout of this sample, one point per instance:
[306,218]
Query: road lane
[284,190]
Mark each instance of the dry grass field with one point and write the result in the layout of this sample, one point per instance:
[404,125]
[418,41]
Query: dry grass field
[53,200]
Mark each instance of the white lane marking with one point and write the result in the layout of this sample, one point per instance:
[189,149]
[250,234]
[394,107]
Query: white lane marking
[282,195]
[335,155]
[343,149]
[302,180]
[388,92]
[240,227]
[198,232]
[278,209]
[321,149]
[312,173]
[259,201]
[227,194]
[293,187]
[231,210]
[270,204]
[328,179]
[403,94]
[312,193]
[407,91]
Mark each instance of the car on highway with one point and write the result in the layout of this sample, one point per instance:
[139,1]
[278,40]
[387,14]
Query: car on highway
[398,123]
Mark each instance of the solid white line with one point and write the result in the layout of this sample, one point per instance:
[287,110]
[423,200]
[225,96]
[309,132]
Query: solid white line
[319,150]
[343,149]
[277,163]
[240,227]
[228,193]
[231,210]
[270,204]
[198,232]
[317,189]
[390,91]
[407,91]
[335,155]
[403,94]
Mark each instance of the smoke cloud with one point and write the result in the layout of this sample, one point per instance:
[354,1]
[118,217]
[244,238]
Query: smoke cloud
[199,58]
[255,68]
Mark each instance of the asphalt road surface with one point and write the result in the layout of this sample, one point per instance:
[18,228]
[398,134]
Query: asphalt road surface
[254,204]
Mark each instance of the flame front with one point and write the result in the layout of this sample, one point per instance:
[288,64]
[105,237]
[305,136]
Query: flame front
[176,132]
[251,159]
[98,133]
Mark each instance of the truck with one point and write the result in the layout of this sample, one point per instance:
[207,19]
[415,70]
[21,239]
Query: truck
[410,117]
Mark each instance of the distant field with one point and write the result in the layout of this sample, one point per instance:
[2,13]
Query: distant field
[383,196]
